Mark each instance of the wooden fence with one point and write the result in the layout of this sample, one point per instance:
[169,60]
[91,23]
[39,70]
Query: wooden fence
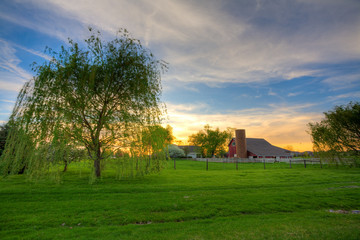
[265,161]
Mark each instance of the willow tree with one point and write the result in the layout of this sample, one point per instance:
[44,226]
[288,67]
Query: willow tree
[88,98]
[4,129]
[155,139]
[338,134]
[153,144]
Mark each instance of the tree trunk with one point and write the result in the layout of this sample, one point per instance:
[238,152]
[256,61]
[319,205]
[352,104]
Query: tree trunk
[97,161]
[21,171]
[65,167]
[97,167]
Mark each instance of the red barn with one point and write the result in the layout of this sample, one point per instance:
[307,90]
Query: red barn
[259,148]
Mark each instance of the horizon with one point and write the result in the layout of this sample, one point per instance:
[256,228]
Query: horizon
[267,67]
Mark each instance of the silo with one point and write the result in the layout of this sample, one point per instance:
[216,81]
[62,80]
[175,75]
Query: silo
[240,140]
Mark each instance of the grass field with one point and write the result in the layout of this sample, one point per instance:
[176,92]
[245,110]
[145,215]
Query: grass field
[186,203]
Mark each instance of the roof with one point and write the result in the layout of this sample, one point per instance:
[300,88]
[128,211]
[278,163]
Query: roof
[261,147]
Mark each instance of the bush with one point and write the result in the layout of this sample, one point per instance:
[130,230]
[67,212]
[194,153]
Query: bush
[176,152]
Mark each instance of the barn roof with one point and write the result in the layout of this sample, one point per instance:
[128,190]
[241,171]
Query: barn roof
[261,147]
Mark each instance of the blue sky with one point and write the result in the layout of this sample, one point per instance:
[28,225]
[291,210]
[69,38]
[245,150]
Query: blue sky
[270,67]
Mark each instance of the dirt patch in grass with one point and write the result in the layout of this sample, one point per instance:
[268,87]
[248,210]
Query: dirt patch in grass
[340,211]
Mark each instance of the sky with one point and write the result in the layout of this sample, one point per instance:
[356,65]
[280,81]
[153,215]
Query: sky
[269,67]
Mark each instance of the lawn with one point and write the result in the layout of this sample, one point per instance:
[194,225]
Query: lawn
[186,203]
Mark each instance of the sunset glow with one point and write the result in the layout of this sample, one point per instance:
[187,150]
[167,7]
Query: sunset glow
[281,127]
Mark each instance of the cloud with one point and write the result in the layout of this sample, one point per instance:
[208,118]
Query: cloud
[34,52]
[12,75]
[6,108]
[344,81]
[272,93]
[7,101]
[9,62]
[229,41]
[189,108]
[10,86]
[43,17]
[351,95]
[173,84]
[294,94]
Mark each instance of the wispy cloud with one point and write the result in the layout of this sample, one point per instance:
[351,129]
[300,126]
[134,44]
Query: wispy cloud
[294,94]
[7,101]
[10,86]
[9,62]
[227,41]
[43,17]
[173,84]
[34,52]
[272,93]
[190,108]
[352,95]
[344,81]
[12,75]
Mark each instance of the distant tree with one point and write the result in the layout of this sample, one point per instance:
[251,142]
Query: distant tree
[178,142]
[93,97]
[210,141]
[338,133]
[289,147]
[175,151]
[231,133]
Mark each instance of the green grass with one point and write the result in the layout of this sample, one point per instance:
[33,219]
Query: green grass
[186,203]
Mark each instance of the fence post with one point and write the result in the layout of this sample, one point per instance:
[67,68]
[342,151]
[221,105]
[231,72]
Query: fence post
[207,164]
[290,162]
[304,163]
[237,164]
[264,163]
[174,164]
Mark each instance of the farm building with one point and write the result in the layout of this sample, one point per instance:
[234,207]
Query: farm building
[243,147]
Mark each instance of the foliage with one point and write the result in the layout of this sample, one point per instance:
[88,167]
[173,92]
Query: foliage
[4,130]
[290,148]
[211,142]
[149,150]
[156,138]
[186,203]
[231,133]
[96,98]
[175,151]
[338,134]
